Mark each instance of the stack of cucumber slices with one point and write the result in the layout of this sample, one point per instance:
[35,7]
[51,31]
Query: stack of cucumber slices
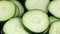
[30,16]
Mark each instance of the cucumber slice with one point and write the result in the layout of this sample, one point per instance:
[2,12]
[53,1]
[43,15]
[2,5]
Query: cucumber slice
[14,26]
[20,8]
[54,8]
[7,10]
[36,21]
[37,4]
[52,19]
[55,28]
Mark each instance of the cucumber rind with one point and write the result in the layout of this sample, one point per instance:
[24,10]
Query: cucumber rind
[17,11]
[26,17]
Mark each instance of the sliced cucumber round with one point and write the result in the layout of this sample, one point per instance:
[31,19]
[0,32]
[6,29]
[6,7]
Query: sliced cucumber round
[37,4]
[7,10]
[55,28]
[52,19]
[20,8]
[54,8]
[14,26]
[36,21]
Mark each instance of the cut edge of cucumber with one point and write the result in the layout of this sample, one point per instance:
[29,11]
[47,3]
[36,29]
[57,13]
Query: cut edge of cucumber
[20,8]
